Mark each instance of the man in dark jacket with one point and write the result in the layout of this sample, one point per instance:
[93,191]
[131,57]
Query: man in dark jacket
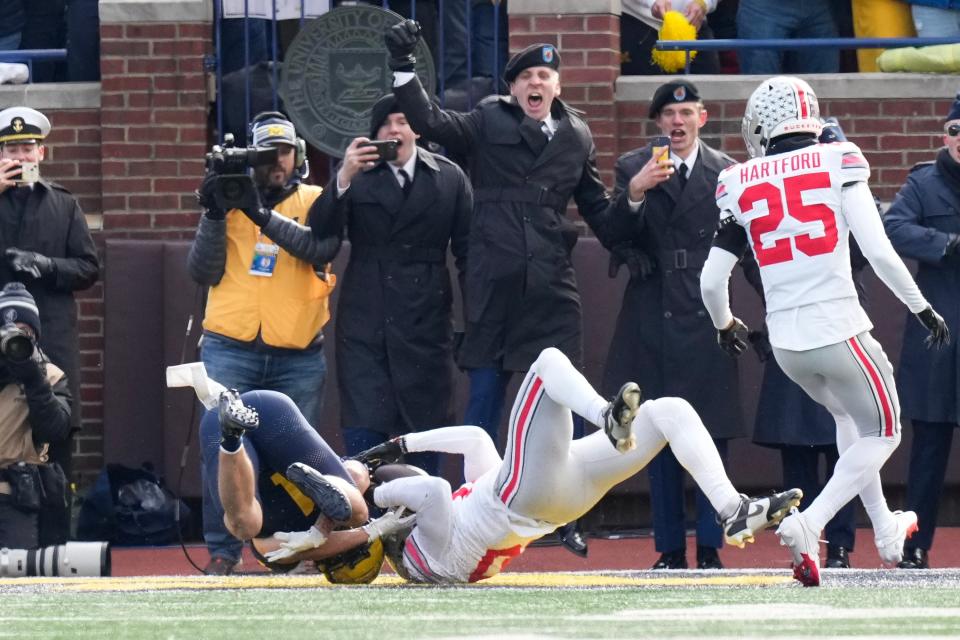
[528,154]
[662,218]
[46,245]
[394,320]
[924,224]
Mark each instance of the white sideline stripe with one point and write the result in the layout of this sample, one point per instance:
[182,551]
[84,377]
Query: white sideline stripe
[774,611]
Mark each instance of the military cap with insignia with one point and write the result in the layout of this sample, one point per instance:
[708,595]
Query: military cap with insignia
[23,124]
[672,93]
[536,55]
[954,113]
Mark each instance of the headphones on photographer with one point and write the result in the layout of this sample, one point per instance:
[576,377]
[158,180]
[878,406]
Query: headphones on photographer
[266,117]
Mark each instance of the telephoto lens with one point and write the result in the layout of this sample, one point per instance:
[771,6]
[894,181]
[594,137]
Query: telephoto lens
[15,344]
[81,559]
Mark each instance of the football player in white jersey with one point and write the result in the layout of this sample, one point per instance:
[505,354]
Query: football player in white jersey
[545,479]
[794,204]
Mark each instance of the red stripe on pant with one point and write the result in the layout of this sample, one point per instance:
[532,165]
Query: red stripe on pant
[523,421]
[883,398]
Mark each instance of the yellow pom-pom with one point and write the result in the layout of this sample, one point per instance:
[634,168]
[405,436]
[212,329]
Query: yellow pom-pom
[675,27]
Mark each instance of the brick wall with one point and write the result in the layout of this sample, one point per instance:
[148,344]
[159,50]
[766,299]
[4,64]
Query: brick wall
[135,157]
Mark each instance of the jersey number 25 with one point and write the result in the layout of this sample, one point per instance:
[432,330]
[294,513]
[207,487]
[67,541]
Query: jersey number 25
[791,199]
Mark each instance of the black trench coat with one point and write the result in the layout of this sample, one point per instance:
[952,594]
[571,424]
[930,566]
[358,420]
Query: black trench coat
[521,291]
[664,338]
[394,328]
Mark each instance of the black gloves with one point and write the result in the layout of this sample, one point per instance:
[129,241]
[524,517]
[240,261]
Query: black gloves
[760,342]
[401,39]
[953,245]
[939,333]
[206,199]
[387,452]
[638,262]
[259,214]
[27,372]
[731,338]
[29,263]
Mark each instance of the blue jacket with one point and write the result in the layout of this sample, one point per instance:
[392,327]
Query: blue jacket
[924,213]
[941,4]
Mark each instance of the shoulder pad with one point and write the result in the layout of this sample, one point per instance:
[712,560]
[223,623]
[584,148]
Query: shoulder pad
[444,160]
[495,98]
[569,109]
[922,165]
[645,149]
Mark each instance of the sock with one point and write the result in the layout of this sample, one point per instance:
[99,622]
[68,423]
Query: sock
[231,444]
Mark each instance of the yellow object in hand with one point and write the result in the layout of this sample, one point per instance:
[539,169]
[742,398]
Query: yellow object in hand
[675,27]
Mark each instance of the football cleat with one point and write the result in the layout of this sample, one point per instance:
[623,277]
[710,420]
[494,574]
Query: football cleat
[618,417]
[235,417]
[328,498]
[890,548]
[804,544]
[757,514]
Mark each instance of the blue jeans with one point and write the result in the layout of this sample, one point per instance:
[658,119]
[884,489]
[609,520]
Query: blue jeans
[299,375]
[762,19]
[10,42]
[932,22]
[284,437]
[667,500]
[485,22]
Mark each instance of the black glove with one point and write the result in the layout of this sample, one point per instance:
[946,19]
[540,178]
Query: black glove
[206,198]
[939,333]
[387,452]
[639,263]
[27,372]
[731,338]
[401,39]
[259,214]
[760,341]
[30,263]
[953,245]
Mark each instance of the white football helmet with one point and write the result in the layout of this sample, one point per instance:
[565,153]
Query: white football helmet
[779,106]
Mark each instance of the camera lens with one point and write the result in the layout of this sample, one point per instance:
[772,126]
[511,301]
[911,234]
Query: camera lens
[232,189]
[16,347]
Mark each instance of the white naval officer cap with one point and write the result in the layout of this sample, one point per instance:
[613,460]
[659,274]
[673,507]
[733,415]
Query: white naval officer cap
[23,124]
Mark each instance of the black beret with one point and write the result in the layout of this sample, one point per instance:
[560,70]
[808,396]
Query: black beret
[382,108]
[536,55]
[672,93]
[954,113]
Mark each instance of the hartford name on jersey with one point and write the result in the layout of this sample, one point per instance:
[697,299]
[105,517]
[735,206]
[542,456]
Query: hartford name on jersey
[790,205]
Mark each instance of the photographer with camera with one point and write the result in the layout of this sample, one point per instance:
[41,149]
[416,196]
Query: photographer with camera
[269,282]
[46,245]
[34,412]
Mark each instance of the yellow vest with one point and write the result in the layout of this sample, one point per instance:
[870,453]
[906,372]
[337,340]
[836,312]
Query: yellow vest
[290,307]
[16,434]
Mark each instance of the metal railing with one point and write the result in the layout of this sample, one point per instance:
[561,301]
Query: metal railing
[799,43]
[29,56]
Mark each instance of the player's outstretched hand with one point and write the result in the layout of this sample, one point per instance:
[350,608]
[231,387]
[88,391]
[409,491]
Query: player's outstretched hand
[731,339]
[388,523]
[933,321]
[293,542]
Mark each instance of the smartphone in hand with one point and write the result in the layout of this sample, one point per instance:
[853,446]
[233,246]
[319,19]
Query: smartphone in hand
[387,149]
[660,149]
[29,173]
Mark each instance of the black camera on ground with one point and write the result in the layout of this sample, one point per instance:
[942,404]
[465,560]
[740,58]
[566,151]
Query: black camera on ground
[235,189]
[15,344]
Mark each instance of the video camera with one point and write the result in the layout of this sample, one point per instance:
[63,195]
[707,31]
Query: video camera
[15,344]
[235,188]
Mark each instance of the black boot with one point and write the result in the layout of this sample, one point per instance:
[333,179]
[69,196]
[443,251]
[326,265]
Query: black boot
[572,538]
[914,559]
[708,558]
[837,557]
[672,560]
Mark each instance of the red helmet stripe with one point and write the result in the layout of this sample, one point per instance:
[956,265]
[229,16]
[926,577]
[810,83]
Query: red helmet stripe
[802,97]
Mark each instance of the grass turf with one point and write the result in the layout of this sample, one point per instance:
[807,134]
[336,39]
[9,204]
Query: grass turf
[608,605]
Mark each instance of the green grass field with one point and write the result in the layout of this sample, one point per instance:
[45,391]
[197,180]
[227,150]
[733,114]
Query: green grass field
[731,604]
